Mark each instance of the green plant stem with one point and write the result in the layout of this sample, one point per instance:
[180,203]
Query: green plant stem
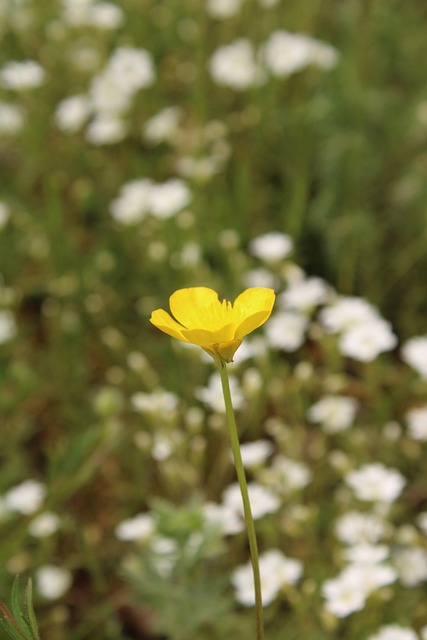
[253,546]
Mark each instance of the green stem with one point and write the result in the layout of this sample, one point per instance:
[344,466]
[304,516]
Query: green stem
[235,446]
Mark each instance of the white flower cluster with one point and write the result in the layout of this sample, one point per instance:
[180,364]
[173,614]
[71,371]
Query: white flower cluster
[110,96]
[143,197]
[414,353]
[277,572]
[89,13]
[240,66]
[333,413]
[22,75]
[363,333]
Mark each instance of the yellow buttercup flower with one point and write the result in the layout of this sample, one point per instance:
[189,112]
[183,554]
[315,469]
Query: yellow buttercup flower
[218,327]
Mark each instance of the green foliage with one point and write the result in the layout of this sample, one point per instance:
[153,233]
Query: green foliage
[17,624]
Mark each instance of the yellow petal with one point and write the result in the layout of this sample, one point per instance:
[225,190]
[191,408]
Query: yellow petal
[204,337]
[254,306]
[227,349]
[163,321]
[189,306]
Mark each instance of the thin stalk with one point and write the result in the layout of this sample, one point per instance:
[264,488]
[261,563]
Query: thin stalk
[253,546]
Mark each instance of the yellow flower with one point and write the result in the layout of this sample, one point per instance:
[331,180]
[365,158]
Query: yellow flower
[218,327]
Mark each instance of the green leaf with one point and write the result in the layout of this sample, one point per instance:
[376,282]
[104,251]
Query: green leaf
[10,625]
[29,610]
[16,609]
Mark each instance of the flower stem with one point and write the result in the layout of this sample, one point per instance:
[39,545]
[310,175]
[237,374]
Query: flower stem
[253,547]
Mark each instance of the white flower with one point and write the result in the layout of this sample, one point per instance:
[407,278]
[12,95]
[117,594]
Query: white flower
[348,592]
[286,330]
[305,295]
[11,119]
[168,198]
[235,66]
[285,53]
[133,202]
[343,597]
[394,632]
[334,413]
[276,571]
[26,497]
[260,278]
[287,475]
[106,94]
[45,524]
[141,527]
[411,564]
[71,113]
[414,353]
[26,74]
[52,582]
[160,403]
[131,68]
[225,517]
[375,482]
[417,423]
[163,125]
[255,453]
[104,15]
[263,500]
[345,313]
[105,129]
[366,553]
[7,322]
[223,8]
[367,340]
[359,528]
[271,247]
[212,395]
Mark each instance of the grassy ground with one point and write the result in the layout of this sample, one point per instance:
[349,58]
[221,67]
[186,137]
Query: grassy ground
[107,417]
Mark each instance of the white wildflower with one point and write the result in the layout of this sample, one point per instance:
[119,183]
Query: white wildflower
[45,524]
[168,198]
[359,528]
[26,74]
[7,322]
[367,340]
[140,527]
[286,330]
[276,571]
[105,129]
[417,423]
[52,582]
[345,313]
[271,247]
[163,126]
[414,353]
[375,482]
[334,413]
[255,453]
[411,564]
[72,112]
[263,500]
[212,395]
[133,202]
[304,296]
[394,632]
[235,65]
[25,498]
[221,9]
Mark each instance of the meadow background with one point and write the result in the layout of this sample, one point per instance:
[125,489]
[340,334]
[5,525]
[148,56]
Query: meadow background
[147,146]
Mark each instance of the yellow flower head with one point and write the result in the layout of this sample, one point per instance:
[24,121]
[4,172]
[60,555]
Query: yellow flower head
[218,327]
